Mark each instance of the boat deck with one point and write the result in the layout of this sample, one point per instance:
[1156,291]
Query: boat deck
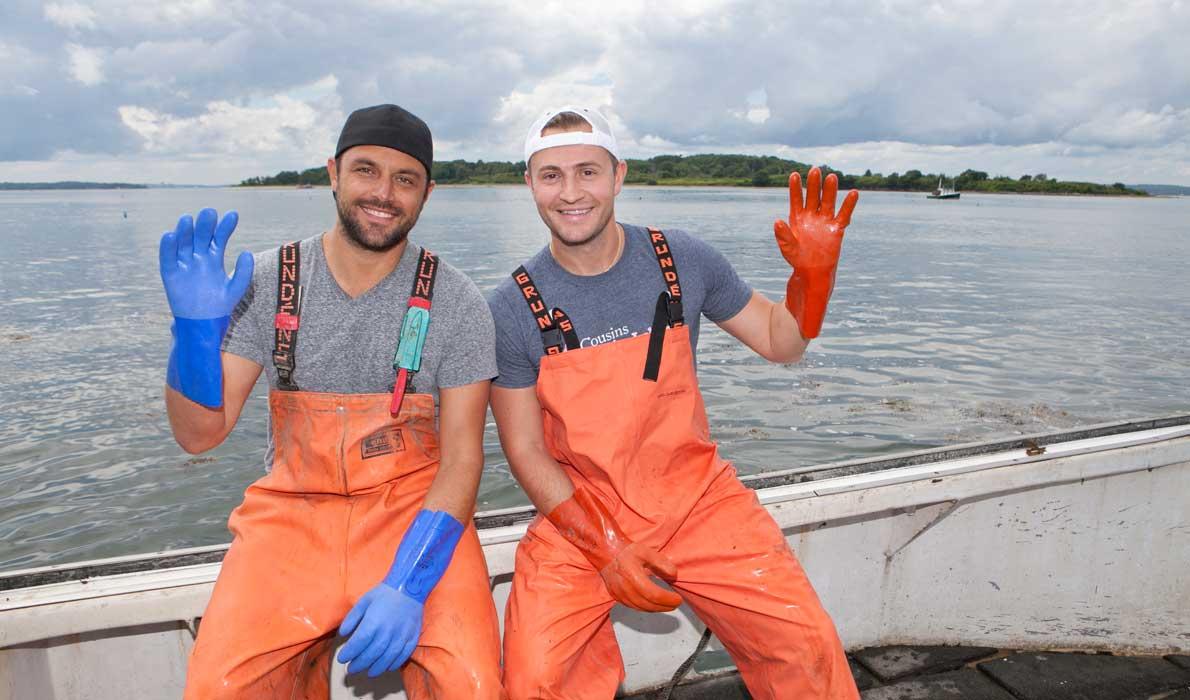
[984,673]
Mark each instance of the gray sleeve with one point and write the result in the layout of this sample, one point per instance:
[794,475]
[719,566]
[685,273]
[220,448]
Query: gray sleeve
[249,333]
[727,294]
[514,365]
[470,348]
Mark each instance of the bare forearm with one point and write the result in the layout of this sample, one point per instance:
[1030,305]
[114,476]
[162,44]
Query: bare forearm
[455,486]
[768,328]
[787,343]
[460,427]
[542,478]
[195,427]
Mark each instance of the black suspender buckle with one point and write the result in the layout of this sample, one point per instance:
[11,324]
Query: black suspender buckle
[553,340]
[284,361]
[673,309]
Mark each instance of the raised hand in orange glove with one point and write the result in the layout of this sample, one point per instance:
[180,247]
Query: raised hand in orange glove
[624,565]
[810,243]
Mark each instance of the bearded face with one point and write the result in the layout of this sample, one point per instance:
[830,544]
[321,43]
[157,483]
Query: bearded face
[380,193]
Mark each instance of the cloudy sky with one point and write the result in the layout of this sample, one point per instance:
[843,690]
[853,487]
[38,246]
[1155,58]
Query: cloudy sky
[213,91]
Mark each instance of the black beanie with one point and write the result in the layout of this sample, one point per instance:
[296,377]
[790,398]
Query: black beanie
[391,127]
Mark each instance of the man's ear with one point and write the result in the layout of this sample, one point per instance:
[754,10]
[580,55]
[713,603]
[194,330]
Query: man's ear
[332,171]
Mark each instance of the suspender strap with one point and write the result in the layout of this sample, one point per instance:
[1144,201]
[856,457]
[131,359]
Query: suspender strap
[286,322]
[668,312]
[407,359]
[567,329]
[553,334]
[656,339]
[423,281]
[669,272]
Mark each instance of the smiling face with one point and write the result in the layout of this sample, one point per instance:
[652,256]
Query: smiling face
[575,188]
[379,193]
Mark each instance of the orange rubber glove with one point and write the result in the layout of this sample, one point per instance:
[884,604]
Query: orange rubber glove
[810,243]
[624,565]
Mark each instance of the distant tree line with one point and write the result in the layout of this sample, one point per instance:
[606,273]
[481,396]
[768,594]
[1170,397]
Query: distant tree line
[735,171]
[979,181]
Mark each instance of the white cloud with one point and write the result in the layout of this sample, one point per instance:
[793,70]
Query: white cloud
[518,109]
[290,126]
[17,89]
[70,15]
[176,15]
[1014,83]
[300,125]
[85,64]
[757,111]
[1133,127]
[758,115]
[171,11]
[17,65]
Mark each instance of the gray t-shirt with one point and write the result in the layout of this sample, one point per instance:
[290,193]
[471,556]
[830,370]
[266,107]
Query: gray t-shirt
[614,305]
[346,345]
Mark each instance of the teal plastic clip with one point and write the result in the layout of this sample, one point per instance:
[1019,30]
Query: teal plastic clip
[413,339]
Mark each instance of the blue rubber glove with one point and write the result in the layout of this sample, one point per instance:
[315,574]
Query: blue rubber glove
[386,622]
[201,297]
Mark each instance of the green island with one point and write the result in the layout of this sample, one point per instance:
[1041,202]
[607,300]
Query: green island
[735,171]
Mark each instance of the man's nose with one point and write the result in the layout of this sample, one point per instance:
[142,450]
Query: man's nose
[382,189]
[571,192]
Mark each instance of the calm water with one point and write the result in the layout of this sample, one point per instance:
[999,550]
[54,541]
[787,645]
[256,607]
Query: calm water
[952,321]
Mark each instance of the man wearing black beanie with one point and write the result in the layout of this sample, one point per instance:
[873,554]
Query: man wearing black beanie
[362,525]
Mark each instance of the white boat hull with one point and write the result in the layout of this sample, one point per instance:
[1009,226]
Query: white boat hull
[1083,546]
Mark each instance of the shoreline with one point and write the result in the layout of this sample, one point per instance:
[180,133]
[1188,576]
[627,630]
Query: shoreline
[633,186]
[663,185]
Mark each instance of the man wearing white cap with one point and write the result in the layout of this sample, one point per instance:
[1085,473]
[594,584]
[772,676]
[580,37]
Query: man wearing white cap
[599,412]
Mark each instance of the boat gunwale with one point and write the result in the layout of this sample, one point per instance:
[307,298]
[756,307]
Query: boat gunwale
[213,554]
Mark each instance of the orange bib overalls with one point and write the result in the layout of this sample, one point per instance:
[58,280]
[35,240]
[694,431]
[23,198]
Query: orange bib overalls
[320,530]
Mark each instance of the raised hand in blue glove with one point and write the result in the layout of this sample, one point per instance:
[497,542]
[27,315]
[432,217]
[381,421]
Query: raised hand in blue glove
[201,297]
[384,625]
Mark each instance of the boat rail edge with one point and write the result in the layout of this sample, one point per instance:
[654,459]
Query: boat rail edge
[507,524]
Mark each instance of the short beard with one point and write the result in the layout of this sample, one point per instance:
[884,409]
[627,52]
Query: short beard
[356,235]
[598,231]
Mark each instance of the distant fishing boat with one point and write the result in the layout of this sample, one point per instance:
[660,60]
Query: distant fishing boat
[943,192]
[1072,540]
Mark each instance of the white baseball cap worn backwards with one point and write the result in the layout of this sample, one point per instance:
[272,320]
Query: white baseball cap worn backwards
[600,134]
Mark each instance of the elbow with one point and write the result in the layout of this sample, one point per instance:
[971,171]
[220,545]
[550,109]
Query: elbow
[191,447]
[197,444]
[793,357]
[518,449]
[521,457]
[788,357]
[515,460]
[521,472]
